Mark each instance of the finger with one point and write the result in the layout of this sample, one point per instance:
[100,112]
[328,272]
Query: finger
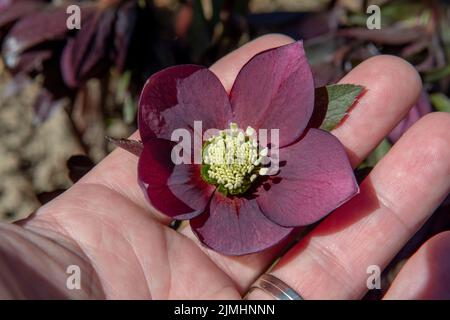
[398,196]
[228,67]
[426,275]
[392,87]
[379,102]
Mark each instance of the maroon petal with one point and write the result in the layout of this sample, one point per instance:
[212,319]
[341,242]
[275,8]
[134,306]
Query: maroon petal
[236,226]
[315,178]
[160,93]
[275,90]
[176,190]
[176,97]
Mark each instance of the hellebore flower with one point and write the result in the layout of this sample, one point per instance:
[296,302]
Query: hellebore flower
[241,207]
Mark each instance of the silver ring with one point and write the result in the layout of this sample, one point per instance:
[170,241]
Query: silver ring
[275,287]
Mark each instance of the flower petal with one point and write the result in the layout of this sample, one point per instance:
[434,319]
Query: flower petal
[236,226]
[275,90]
[315,178]
[176,97]
[176,190]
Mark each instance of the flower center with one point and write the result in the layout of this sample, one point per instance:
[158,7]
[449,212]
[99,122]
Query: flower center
[231,160]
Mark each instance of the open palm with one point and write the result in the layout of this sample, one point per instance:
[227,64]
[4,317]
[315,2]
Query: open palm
[125,249]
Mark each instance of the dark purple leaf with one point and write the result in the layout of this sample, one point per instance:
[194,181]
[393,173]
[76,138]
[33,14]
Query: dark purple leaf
[87,55]
[12,10]
[32,30]
[31,60]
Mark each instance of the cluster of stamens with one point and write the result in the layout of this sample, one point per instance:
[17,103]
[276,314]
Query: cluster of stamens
[232,160]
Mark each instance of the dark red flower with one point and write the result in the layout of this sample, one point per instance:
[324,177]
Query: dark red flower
[239,210]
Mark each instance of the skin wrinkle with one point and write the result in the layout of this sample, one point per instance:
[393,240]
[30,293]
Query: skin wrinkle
[85,247]
[324,272]
[222,292]
[169,245]
[68,245]
[208,253]
[325,257]
[124,192]
[386,205]
[93,248]
[141,266]
[147,279]
[167,260]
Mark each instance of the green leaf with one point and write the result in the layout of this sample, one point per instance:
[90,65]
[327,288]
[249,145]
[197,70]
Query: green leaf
[379,152]
[437,74]
[338,99]
[440,101]
[129,109]
[123,85]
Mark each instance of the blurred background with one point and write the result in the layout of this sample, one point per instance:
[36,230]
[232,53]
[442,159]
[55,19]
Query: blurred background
[62,91]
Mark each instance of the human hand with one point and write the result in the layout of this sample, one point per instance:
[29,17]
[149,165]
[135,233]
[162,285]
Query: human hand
[125,249]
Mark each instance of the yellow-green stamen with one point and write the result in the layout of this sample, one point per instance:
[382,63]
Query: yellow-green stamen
[231,160]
